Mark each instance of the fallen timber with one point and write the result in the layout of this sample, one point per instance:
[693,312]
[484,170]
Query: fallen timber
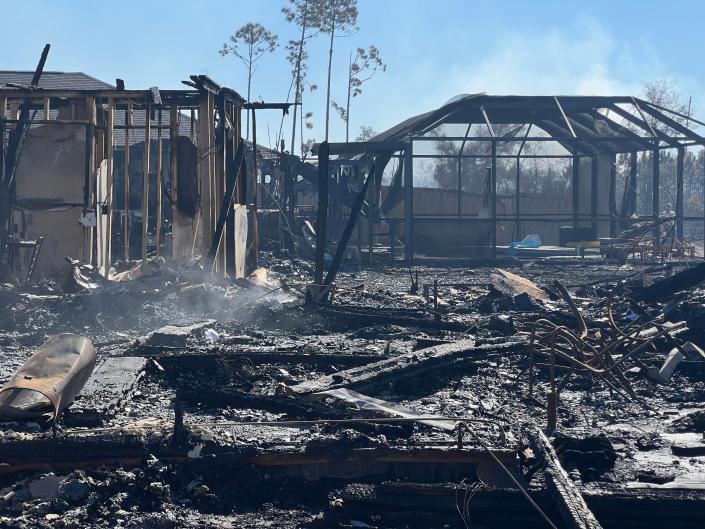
[406,365]
[571,505]
[667,288]
[259,355]
[370,316]
[87,449]
[427,504]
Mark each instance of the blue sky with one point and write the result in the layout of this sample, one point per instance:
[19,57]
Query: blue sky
[433,49]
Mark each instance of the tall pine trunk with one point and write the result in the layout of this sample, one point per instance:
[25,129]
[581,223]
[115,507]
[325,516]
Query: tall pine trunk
[297,90]
[347,107]
[249,85]
[330,65]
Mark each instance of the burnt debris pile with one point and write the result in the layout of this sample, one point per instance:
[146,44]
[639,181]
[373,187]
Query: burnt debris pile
[533,396]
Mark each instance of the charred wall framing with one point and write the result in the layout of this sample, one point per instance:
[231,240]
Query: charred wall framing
[109,117]
[590,129]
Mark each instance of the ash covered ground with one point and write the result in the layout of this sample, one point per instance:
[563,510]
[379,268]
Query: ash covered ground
[169,434]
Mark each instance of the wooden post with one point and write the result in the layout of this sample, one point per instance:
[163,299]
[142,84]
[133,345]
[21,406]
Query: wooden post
[220,185]
[253,235]
[204,173]
[98,181]
[576,190]
[322,213]
[126,176]
[145,178]
[225,209]
[679,192]
[89,171]
[289,177]
[409,202]
[594,183]
[214,184]
[255,172]
[47,108]
[108,236]
[173,187]
[158,212]
[231,149]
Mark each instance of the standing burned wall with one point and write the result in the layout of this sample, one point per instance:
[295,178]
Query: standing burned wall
[98,168]
[49,195]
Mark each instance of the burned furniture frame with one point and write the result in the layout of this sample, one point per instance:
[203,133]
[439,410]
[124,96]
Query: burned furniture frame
[595,129]
[207,114]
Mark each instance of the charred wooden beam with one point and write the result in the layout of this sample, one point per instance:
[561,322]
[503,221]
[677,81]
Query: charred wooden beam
[347,232]
[370,316]
[322,214]
[571,505]
[10,155]
[17,135]
[145,180]
[403,366]
[227,206]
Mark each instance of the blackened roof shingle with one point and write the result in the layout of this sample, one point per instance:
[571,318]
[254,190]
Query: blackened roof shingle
[54,80]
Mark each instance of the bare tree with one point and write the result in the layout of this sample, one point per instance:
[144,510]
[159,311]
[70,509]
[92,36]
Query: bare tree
[306,15]
[249,44]
[366,133]
[664,93]
[339,18]
[361,68]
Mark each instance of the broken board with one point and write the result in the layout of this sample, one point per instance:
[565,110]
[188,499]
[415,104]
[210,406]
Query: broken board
[513,285]
[174,336]
[110,386]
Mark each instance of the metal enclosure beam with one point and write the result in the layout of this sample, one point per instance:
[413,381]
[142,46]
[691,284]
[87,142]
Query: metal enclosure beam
[679,193]
[633,166]
[565,118]
[409,202]
[656,192]
[613,195]
[594,184]
[576,190]
[460,169]
[493,200]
